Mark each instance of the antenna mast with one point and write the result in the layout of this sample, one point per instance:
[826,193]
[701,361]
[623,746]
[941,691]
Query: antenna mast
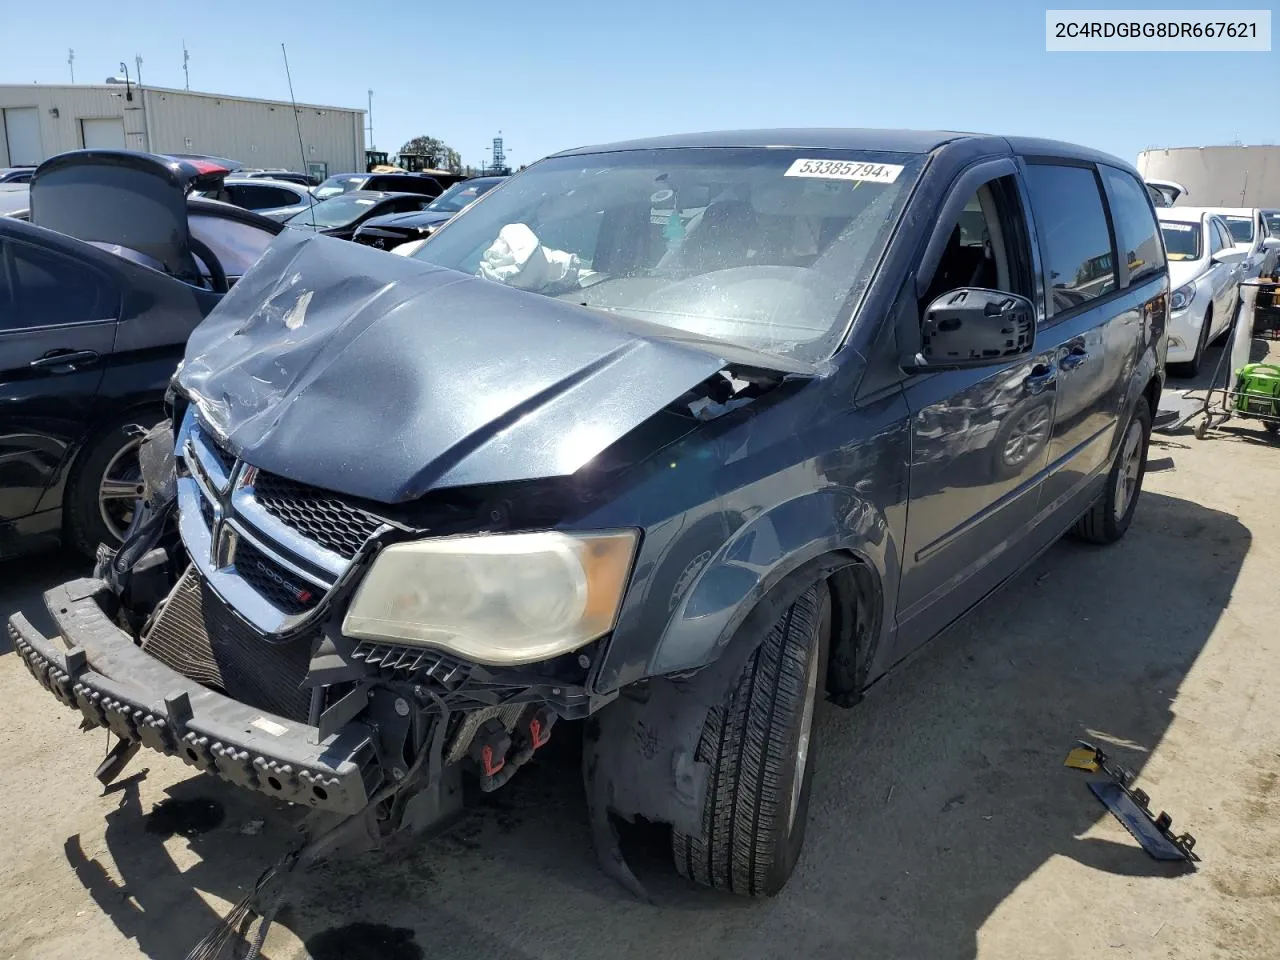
[186,57]
[71,63]
[311,198]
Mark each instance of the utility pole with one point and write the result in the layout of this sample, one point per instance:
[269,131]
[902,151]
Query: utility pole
[71,63]
[137,59]
[185,57]
[371,144]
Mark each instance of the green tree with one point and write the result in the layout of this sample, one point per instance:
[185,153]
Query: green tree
[446,157]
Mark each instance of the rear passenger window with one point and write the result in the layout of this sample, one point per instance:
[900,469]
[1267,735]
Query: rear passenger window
[1074,239]
[1137,234]
[51,289]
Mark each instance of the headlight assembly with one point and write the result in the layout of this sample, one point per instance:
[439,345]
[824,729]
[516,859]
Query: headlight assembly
[1183,296]
[499,599]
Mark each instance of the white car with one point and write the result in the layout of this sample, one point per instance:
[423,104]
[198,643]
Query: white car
[1249,234]
[277,199]
[1204,273]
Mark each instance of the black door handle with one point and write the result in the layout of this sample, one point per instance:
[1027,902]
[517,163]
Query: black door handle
[1042,374]
[64,361]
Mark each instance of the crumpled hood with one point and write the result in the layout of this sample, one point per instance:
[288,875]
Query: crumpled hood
[384,377]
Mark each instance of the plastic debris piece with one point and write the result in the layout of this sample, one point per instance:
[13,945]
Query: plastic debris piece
[1153,833]
[1083,758]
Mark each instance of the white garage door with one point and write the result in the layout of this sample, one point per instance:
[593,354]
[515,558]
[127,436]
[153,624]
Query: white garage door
[105,133]
[22,133]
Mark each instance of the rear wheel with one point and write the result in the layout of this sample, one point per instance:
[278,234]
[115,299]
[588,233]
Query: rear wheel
[1108,519]
[105,484]
[758,745]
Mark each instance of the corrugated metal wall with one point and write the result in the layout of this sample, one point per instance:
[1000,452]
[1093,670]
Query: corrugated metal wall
[1218,176]
[62,108]
[258,133]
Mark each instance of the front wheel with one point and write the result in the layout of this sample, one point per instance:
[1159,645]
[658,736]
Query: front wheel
[758,744]
[1192,367]
[1108,519]
[105,484]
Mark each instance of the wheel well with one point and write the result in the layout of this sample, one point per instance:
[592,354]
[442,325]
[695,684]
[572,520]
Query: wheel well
[856,606]
[1152,393]
[91,437]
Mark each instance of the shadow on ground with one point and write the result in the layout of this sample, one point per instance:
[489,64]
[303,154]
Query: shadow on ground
[23,582]
[934,799]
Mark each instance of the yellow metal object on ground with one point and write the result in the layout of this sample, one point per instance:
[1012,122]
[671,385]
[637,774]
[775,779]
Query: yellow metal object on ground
[1082,758]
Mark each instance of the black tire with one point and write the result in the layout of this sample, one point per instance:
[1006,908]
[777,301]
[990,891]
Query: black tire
[751,841]
[84,525]
[1103,522]
[1192,367]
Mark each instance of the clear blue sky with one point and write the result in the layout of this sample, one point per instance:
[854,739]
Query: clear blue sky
[560,73]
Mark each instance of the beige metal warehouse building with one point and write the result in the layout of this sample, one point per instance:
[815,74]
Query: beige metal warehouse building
[40,121]
[1232,176]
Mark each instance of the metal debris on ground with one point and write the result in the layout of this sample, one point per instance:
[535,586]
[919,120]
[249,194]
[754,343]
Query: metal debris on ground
[1131,806]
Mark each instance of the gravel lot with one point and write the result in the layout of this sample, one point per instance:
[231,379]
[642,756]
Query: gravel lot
[943,823]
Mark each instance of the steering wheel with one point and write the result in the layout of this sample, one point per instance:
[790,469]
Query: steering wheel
[217,275]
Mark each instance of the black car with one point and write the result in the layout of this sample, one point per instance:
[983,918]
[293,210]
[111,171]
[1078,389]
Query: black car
[389,231]
[341,183]
[676,436]
[341,215]
[98,293]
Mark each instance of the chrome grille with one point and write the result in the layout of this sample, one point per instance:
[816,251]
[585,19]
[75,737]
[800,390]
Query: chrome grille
[318,515]
[272,556]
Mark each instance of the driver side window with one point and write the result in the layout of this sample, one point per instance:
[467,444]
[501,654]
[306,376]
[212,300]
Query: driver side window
[1215,237]
[986,246]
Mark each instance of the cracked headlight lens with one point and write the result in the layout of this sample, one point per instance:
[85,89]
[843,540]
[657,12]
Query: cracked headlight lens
[499,599]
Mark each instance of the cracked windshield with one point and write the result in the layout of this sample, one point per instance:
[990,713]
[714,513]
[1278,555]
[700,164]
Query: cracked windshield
[761,248]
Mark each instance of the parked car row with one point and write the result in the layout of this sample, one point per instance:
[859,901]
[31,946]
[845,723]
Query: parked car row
[681,436]
[1211,251]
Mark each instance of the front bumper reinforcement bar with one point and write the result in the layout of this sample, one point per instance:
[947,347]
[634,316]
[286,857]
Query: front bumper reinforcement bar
[99,670]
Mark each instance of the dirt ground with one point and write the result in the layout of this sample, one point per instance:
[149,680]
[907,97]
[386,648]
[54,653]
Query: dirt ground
[943,823]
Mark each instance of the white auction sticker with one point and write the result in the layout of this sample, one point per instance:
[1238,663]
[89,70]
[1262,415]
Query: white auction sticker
[844,170]
[269,726]
[1179,227]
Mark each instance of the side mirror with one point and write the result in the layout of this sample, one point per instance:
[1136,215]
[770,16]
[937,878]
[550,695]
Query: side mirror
[1229,255]
[975,327]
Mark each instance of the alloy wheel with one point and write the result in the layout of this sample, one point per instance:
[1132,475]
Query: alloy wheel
[806,733]
[1130,470]
[120,488]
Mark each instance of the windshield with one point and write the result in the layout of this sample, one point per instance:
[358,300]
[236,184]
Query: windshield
[1273,223]
[756,246]
[1241,228]
[1181,240]
[337,211]
[459,195]
[343,183]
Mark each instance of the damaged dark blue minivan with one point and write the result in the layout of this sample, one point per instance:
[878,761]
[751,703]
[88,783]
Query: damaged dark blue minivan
[672,437]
